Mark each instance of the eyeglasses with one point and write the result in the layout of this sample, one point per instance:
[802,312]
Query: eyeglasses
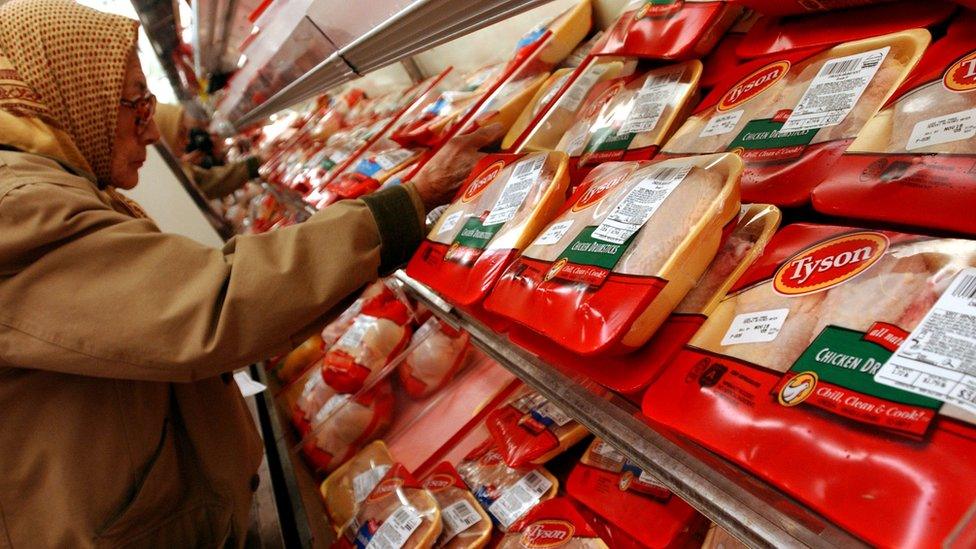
[144,107]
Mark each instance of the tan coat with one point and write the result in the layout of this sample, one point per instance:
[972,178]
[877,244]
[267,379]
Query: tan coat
[116,427]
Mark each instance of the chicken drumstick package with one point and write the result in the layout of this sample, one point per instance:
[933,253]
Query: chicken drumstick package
[466,524]
[555,523]
[624,495]
[629,245]
[839,369]
[629,374]
[398,513]
[629,117]
[345,423]
[347,487]
[790,115]
[506,493]
[912,163]
[504,203]
[531,430]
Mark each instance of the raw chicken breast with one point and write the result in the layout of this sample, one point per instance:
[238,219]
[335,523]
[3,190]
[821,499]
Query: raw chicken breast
[930,101]
[433,362]
[362,352]
[728,258]
[395,492]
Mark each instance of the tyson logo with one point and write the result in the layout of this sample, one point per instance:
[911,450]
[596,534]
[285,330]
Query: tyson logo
[385,488]
[547,533]
[593,107]
[961,76]
[829,263]
[596,192]
[754,84]
[481,182]
[439,482]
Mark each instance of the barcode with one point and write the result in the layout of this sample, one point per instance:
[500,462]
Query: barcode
[538,483]
[458,517]
[523,169]
[967,288]
[842,67]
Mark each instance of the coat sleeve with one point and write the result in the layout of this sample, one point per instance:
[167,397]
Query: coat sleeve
[87,290]
[220,181]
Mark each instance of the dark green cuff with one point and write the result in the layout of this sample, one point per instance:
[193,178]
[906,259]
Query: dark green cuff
[253,163]
[399,223]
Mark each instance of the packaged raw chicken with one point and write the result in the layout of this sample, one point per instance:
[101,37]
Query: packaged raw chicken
[378,335]
[383,159]
[504,103]
[555,523]
[624,495]
[792,114]
[833,370]
[912,163]
[305,396]
[398,514]
[334,330]
[628,118]
[466,525]
[724,57]
[630,373]
[427,127]
[505,202]
[531,430]
[345,423]
[562,34]
[670,30]
[433,362]
[506,493]
[629,245]
[555,106]
[294,363]
[346,488]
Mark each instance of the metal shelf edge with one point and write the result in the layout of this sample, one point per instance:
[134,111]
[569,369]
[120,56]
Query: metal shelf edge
[736,509]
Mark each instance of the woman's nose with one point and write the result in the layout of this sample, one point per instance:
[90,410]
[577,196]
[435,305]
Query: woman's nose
[151,134]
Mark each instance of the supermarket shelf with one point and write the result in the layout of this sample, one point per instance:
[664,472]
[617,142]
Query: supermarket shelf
[399,33]
[752,510]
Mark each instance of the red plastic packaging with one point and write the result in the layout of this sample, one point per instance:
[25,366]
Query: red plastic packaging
[804,411]
[505,201]
[345,424]
[913,163]
[673,30]
[555,523]
[630,499]
[794,7]
[531,430]
[434,361]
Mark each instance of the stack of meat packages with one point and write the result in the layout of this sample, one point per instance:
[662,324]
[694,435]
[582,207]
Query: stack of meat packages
[630,232]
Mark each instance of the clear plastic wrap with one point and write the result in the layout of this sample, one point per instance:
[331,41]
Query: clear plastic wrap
[528,429]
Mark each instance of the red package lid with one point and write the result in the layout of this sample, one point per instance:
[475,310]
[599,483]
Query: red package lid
[443,476]
[673,30]
[775,36]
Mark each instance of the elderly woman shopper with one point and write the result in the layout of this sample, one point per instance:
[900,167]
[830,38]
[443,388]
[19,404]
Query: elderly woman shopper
[116,425]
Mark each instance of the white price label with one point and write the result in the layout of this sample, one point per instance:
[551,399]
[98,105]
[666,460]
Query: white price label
[553,234]
[581,86]
[354,336]
[721,124]
[458,517]
[653,97]
[551,411]
[520,498]
[450,222]
[938,359]
[835,91]
[601,448]
[943,129]
[630,214]
[391,159]
[650,480]
[758,327]
[524,174]
[364,482]
[397,529]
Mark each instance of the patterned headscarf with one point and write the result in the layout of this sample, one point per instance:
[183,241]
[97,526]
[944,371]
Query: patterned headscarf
[62,68]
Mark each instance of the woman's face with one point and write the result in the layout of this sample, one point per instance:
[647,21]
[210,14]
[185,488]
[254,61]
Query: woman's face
[133,133]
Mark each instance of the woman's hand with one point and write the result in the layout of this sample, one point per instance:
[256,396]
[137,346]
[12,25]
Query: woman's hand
[440,178]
